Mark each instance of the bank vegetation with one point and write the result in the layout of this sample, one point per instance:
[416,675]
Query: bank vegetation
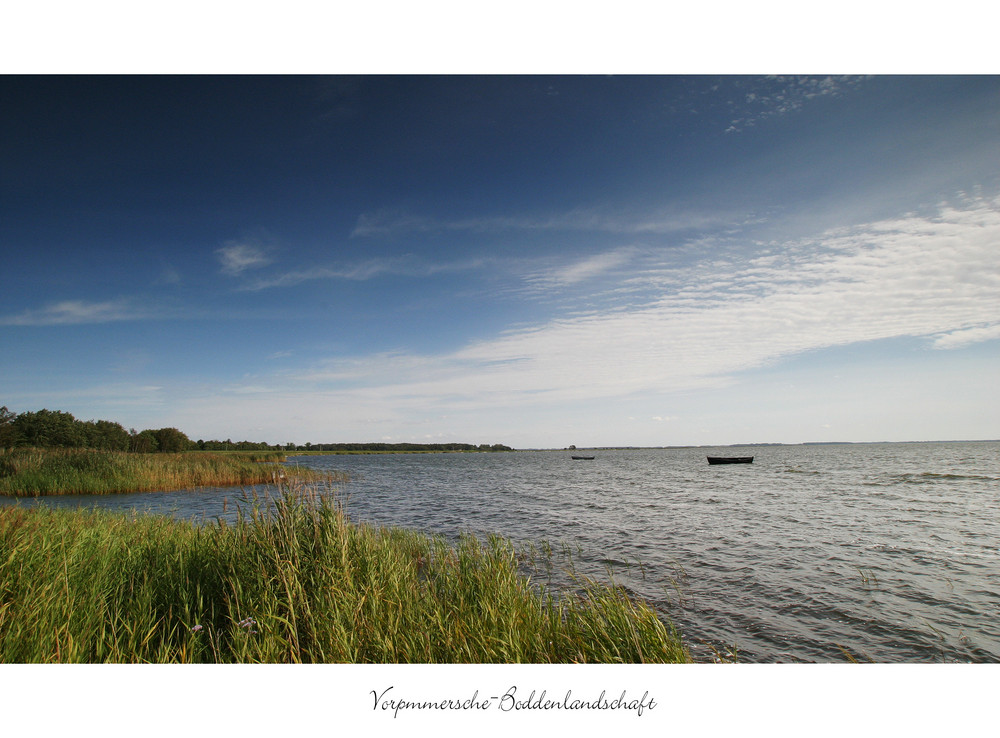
[56,471]
[294,582]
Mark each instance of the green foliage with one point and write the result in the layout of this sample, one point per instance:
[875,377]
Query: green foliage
[6,427]
[172,441]
[49,428]
[30,471]
[230,445]
[56,429]
[299,584]
[144,442]
[103,434]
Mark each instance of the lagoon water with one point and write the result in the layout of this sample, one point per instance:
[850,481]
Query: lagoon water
[816,553]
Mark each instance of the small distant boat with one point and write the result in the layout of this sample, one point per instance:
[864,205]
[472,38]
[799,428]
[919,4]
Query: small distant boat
[730,459]
[582,458]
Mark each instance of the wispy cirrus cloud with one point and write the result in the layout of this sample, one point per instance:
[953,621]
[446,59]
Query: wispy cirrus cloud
[931,277]
[363,271]
[592,266]
[534,271]
[359,272]
[770,97]
[76,312]
[387,223]
[934,277]
[568,273]
[237,257]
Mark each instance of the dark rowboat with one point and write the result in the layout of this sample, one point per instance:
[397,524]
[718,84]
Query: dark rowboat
[583,458]
[730,459]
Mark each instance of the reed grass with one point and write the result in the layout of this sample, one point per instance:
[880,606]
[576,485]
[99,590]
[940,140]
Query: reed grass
[52,471]
[291,583]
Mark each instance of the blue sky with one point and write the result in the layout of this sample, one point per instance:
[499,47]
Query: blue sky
[530,260]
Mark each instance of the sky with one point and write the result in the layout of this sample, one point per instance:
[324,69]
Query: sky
[534,260]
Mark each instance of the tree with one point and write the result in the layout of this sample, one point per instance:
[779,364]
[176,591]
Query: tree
[50,428]
[171,440]
[7,435]
[144,442]
[106,435]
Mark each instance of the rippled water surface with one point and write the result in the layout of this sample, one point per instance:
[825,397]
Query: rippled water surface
[884,552]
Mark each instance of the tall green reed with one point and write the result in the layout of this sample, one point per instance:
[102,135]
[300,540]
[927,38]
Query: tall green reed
[30,471]
[294,582]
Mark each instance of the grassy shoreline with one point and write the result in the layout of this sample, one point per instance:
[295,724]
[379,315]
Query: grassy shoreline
[301,584]
[32,471]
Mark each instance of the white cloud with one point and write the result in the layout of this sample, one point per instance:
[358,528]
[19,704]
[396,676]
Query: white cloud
[967,337]
[779,95]
[358,273]
[76,312]
[909,277]
[933,277]
[363,271]
[237,257]
[592,266]
[393,223]
[581,270]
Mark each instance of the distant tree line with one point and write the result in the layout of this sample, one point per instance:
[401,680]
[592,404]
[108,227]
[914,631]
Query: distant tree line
[57,429]
[397,447]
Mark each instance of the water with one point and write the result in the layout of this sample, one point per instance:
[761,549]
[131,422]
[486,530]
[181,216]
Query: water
[883,552]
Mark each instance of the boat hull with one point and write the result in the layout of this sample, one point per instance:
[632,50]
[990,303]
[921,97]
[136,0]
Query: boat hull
[730,460]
